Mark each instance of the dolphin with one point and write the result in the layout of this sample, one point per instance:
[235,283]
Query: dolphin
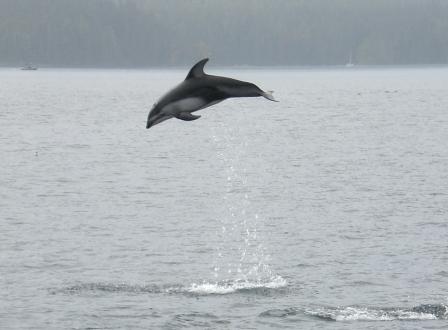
[198,91]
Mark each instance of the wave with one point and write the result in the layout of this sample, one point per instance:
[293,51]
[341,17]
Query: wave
[357,313]
[204,288]
[226,287]
[421,312]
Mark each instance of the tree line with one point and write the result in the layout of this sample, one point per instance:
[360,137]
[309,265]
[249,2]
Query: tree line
[144,33]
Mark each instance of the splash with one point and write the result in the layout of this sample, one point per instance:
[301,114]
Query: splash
[204,288]
[240,255]
[353,313]
[358,313]
[228,287]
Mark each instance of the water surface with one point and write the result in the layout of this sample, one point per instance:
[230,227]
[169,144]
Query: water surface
[326,210]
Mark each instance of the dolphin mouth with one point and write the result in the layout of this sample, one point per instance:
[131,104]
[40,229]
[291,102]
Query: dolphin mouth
[150,122]
[155,120]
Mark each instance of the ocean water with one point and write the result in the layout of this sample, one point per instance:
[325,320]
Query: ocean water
[327,210]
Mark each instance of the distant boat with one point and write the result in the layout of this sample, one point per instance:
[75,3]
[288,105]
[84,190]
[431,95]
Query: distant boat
[29,67]
[350,62]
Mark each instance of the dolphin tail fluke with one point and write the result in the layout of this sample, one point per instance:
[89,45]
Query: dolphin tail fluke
[268,95]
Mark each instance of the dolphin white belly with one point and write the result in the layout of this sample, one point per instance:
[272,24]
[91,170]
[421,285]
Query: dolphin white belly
[185,105]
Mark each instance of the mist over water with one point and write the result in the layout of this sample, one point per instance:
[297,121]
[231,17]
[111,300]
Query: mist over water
[326,210]
[154,33]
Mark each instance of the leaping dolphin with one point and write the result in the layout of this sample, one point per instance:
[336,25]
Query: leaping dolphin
[198,91]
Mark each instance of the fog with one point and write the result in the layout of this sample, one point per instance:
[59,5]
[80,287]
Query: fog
[146,33]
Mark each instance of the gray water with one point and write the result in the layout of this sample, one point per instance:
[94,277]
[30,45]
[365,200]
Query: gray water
[327,210]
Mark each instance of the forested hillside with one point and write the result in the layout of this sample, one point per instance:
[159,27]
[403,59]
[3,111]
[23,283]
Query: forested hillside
[140,33]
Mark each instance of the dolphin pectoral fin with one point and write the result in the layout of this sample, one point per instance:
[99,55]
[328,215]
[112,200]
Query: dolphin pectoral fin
[186,116]
[268,95]
[197,70]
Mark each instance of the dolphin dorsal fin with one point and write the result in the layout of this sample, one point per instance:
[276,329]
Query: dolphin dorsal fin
[197,70]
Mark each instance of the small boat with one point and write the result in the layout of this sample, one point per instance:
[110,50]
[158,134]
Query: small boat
[29,67]
[350,64]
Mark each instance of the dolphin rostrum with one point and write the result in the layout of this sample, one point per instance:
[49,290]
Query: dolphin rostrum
[198,91]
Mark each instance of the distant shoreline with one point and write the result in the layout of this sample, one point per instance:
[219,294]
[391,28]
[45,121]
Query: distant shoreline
[241,67]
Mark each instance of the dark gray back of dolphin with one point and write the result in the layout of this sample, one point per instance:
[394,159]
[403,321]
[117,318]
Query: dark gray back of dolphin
[198,91]
[197,70]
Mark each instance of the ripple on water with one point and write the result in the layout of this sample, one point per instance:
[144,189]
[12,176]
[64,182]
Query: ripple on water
[205,288]
[359,313]
[196,319]
[108,288]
